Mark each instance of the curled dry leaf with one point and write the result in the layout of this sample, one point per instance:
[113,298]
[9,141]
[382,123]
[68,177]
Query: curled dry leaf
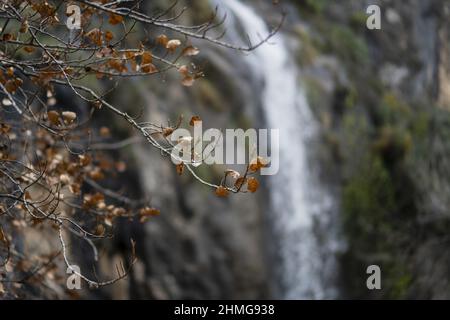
[97,105]
[180,168]
[8,37]
[184,70]
[147,57]
[172,45]
[75,188]
[162,40]
[64,178]
[194,119]
[95,35]
[188,81]
[147,212]
[96,174]
[167,132]
[115,19]
[85,160]
[190,51]
[28,49]
[109,221]
[149,68]
[232,173]
[100,230]
[109,36]
[257,164]
[93,200]
[222,192]
[69,116]
[53,117]
[10,71]
[252,184]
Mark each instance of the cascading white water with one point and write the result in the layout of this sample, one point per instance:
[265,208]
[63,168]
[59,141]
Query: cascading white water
[299,205]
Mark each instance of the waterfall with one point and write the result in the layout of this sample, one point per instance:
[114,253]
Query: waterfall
[301,208]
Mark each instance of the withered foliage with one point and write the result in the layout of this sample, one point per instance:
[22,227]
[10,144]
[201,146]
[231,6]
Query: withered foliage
[51,173]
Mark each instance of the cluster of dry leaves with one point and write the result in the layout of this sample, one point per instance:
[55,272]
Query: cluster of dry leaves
[51,175]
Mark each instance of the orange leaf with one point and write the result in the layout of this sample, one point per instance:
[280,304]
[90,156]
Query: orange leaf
[257,164]
[162,40]
[252,185]
[28,49]
[147,212]
[167,132]
[147,57]
[149,68]
[180,168]
[109,36]
[222,192]
[184,70]
[115,19]
[53,117]
[96,36]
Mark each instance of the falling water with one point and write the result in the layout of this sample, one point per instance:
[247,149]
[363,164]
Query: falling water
[301,208]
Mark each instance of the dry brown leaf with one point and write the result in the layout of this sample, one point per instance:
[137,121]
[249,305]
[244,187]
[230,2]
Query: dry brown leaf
[100,230]
[188,81]
[95,35]
[172,45]
[115,19]
[147,212]
[252,184]
[257,164]
[109,36]
[53,117]
[184,70]
[167,132]
[232,173]
[194,119]
[69,117]
[28,49]
[190,51]
[162,40]
[147,57]
[149,68]
[96,174]
[180,168]
[222,192]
